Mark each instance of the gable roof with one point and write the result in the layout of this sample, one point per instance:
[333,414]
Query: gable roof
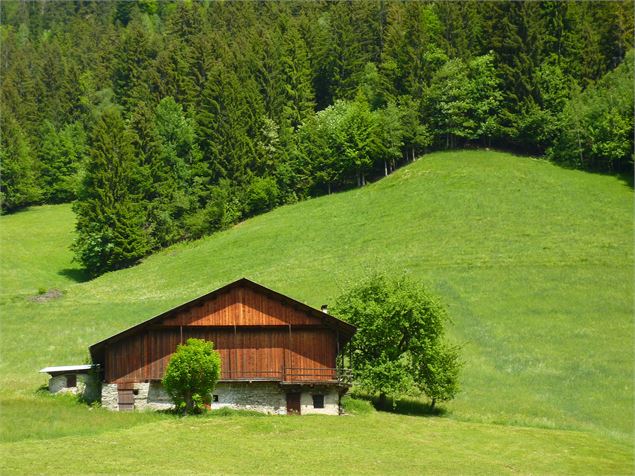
[345,329]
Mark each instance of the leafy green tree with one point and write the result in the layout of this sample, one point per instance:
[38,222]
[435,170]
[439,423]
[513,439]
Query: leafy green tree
[388,135]
[262,194]
[110,233]
[319,161]
[462,25]
[399,347]
[229,123]
[172,74]
[463,100]
[191,375]
[358,139]
[595,129]
[416,136]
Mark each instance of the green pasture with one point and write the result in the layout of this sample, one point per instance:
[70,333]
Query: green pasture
[534,262]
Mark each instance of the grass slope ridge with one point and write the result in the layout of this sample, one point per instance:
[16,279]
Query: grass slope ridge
[534,262]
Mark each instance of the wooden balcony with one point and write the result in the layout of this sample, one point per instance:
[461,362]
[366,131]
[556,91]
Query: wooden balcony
[292,375]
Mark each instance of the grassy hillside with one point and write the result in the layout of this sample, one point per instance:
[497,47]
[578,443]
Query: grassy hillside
[533,261]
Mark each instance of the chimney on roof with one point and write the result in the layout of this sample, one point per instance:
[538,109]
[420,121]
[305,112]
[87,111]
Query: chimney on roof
[325,308]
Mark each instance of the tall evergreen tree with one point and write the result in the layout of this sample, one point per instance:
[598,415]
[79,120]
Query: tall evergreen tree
[18,167]
[135,53]
[110,233]
[299,95]
[61,155]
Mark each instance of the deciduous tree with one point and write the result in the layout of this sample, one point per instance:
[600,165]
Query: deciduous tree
[399,347]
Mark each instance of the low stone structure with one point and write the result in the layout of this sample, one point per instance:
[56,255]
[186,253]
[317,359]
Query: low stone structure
[81,380]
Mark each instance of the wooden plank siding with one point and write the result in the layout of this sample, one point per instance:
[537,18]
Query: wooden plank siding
[240,307]
[257,337]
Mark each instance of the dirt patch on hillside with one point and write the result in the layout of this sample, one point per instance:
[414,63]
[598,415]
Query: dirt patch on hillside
[49,295]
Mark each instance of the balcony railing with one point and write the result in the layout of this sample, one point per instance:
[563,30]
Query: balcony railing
[292,375]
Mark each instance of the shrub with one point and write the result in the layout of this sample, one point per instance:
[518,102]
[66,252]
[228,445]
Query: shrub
[192,374]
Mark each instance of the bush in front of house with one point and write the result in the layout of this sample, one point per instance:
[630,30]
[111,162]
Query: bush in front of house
[192,374]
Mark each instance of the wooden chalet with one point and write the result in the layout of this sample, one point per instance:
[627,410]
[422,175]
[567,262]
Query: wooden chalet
[278,355]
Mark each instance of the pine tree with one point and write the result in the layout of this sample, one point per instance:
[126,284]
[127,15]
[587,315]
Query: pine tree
[173,74]
[110,220]
[135,53]
[61,155]
[412,52]
[297,80]
[516,32]
[18,172]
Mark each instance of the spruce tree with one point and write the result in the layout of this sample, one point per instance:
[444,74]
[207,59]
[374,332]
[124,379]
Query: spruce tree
[110,220]
[61,155]
[297,80]
[18,172]
[134,55]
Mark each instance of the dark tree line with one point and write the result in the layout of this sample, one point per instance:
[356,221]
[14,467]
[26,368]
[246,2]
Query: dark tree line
[165,121]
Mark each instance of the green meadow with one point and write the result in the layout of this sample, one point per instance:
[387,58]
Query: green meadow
[534,262]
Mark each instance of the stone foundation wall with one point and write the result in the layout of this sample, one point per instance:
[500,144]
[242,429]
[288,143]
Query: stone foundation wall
[152,396]
[265,397]
[109,396]
[331,402]
[148,396]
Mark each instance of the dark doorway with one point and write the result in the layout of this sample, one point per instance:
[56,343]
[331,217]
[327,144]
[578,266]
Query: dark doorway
[293,403]
[71,381]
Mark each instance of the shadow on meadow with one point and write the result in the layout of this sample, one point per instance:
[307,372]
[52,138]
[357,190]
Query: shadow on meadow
[78,275]
[404,406]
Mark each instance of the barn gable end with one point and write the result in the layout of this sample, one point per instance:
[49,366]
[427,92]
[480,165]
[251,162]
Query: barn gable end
[241,307]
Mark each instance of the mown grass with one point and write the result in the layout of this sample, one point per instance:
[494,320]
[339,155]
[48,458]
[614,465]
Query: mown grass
[375,443]
[535,264]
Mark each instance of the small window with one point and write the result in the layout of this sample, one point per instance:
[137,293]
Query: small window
[215,398]
[135,391]
[71,381]
[318,401]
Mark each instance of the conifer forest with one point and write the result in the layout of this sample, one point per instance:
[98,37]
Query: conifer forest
[166,121]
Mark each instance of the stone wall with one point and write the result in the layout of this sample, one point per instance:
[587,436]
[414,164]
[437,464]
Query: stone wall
[109,396]
[266,397]
[331,402]
[152,396]
[147,396]
[57,384]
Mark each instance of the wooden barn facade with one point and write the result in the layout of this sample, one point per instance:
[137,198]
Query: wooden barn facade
[278,355]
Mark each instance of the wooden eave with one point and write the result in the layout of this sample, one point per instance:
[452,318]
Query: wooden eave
[345,330]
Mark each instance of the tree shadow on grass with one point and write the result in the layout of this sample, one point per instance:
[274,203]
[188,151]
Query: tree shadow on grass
[76,274]
[404,406]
